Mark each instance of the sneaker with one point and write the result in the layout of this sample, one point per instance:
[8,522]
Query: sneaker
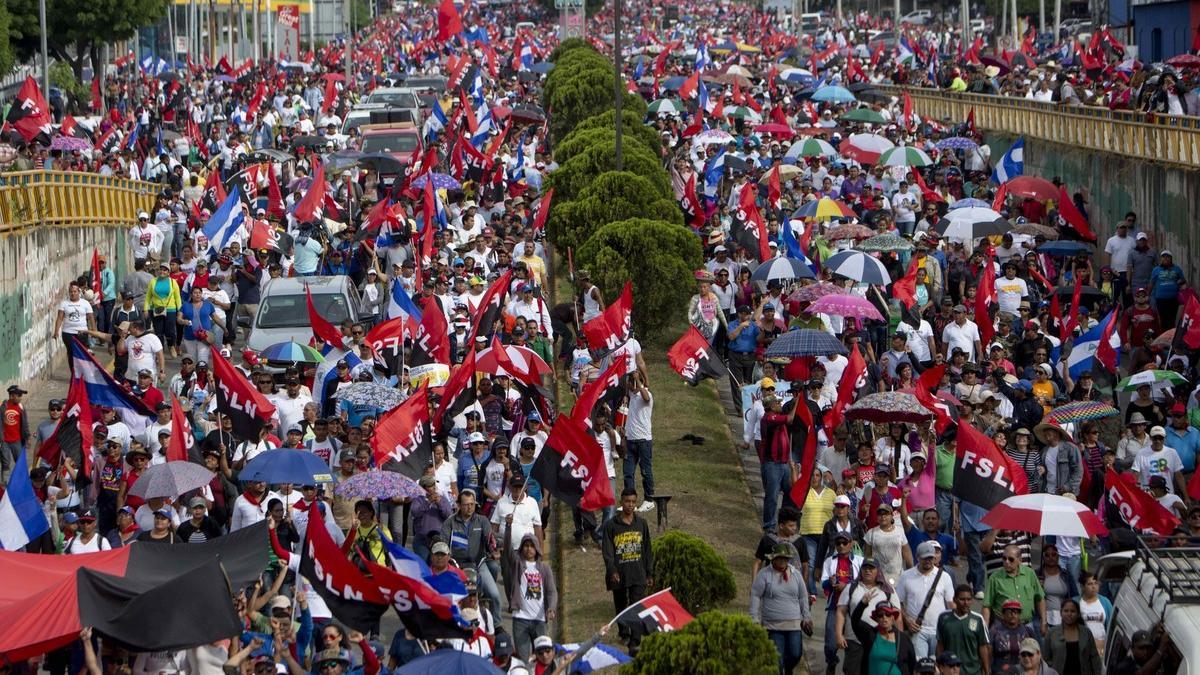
[646,506]
[979,595]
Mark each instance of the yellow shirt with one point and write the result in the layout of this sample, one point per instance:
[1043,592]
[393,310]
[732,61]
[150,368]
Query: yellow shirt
[1044,391]
[958,84]
[818,509]
[536,266]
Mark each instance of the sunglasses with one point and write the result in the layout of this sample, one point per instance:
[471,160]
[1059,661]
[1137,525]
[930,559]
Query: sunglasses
[328,664]
[1010,559]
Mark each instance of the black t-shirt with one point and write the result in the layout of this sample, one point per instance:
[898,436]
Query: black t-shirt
[769,541]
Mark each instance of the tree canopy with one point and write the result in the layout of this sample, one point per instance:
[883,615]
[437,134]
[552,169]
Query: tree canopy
[612,196]
[713,644]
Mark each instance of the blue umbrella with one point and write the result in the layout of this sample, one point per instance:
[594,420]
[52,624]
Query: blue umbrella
[805,342]
[673,83]
[449,662]
[957,143]
[858,266]
[968,202]
[781,268]
[1065,248]
[441,181]
[833,93]
[542,67]
[298,467]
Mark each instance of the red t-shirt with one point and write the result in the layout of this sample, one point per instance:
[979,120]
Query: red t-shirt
[131,500]
[12,422]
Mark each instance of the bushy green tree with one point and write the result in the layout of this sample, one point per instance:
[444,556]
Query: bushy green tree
[7,56]
[79,28]
[632,125]
[698,577]
[613,196]
[577,141]
[712,644]
[573,176]
[570,45]
[659,257]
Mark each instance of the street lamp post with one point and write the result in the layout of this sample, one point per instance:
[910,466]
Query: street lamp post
[619,94]
[45,50]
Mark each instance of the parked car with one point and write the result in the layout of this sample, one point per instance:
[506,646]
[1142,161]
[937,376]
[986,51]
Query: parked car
[283,311]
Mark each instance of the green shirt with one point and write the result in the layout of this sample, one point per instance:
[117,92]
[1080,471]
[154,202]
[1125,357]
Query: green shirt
[964,636]
[1024,586]
[884,658]
[945,468]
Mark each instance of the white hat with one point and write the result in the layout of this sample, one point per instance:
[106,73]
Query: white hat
[542,642]
[1142,235]
[928,549]
[476,438]
[720,248]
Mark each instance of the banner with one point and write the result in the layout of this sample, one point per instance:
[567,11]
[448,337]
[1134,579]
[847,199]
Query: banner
[609,330]
[659,612]
[571,467]
[403,436]
[73,433]
[247,409]
[457,394]
[1137,507]
[287,32]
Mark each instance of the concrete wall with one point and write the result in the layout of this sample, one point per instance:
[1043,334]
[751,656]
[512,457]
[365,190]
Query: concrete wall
[36,266]
[1166,200]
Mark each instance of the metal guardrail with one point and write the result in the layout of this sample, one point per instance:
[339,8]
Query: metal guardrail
[1143,136]
[38,198]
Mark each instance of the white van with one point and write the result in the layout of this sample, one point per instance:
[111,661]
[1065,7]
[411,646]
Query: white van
[1161,585]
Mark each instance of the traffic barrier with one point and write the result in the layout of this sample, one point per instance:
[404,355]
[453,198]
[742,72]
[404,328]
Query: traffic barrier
[1167,139]
[62,198]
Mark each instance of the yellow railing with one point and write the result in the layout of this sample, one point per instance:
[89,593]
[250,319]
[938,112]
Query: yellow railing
[35,198]
[1150,138]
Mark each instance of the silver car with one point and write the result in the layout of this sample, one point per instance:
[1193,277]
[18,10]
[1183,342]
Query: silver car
[283,312]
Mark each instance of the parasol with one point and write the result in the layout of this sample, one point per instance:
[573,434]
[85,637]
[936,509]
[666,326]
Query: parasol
[1043,514]
[889,406]
[377,484]
[846,306]
[805,342]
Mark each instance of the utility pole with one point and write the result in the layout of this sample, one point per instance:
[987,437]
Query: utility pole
[1057,19]
[618,5]
[171,32]
[45,51]
[349,55]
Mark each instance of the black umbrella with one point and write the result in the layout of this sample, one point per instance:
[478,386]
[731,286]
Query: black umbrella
[168,76]
[309,142]
[528,76]
[339,161]
[1088,295]
[736,163]
[860,86]
[269,155]
[528,113]
[381,162]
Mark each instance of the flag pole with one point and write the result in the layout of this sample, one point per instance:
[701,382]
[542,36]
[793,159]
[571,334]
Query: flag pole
[666,590]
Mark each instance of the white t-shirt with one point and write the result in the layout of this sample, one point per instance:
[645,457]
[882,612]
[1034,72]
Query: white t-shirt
[1009,293]
[610,450]
[917,339]
[637,425]
[1118,248]
[74,316]
[913,587]
[1164,463]
[532,593]
[290,410]
[630,351]
[75,545]
[963,337]
[143,354]
[526,516]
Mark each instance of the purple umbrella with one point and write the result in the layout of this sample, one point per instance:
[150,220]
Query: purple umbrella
[441,181]
[69,143]
[377,484]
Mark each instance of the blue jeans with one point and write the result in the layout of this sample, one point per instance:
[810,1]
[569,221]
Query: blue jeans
[814,567]
[943,501]
[639,453]
[924,644]
[525,631]
[489,571]
[790,645]
[776,478]
[1072,564]
[975,570]
[831,650]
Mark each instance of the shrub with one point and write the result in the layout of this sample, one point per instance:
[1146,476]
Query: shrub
[612,196]
[633,125]
[571,177]
[713,644]
[577,141]
[570,45]
[659,257]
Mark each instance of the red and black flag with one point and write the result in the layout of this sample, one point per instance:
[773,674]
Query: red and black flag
[691,205]
[70,127]
[694,359]
[387,340]
[983,474]
[491,307]
[402,440]
[457,394]
[571,467]
[247,409]
[748,228]
[611,329]
[430,344]
[477,163]
[426,613]
[1138,508]
[659,612]
[213,196]
[352,597]
[182,442]
[73,433]
[607,388]
[30,115]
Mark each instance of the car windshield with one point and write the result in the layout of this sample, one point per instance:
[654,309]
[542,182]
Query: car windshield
[395,99]
[291,311]
[389,143]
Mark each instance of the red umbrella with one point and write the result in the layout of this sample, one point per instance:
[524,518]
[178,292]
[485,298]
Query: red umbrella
[1032,186]
[776,129]
[529,365]
[1184,61]
[501,112]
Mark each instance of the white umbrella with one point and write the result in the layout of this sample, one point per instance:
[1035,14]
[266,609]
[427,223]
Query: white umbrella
[858,266]
[712,136]
[1044,514]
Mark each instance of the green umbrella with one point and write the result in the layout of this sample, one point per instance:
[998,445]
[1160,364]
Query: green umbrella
[1160,378]
[741,111]
[665,106]
[904,155]
[863,115]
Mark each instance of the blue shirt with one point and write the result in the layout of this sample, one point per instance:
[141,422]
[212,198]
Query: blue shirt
[1187,444]
[1165,282]
[532,487]
[203,320]
[746,341]
[949,545]
[468,471]
[970,517]
[355,412]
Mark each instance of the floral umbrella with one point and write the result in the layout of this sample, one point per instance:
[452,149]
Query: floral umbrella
[846,305]
[378,484]
[850,231]
[889,406]
[814,292]
[885,242]
[370,394]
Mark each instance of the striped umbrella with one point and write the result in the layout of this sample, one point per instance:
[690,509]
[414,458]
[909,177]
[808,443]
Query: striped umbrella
[744,113]
[805,342]
[1080,411]
[904,156]
[885,242]
[864,116]
[291,352]
[1044,513]
[1158,378]
[865,148]
[811,147]
[665,106]
[824,209]
[781,268]
[858,266]
[797,76]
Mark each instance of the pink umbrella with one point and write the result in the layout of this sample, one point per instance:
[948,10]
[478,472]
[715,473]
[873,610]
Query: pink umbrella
[775,129]
[529,366]
[845,305]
